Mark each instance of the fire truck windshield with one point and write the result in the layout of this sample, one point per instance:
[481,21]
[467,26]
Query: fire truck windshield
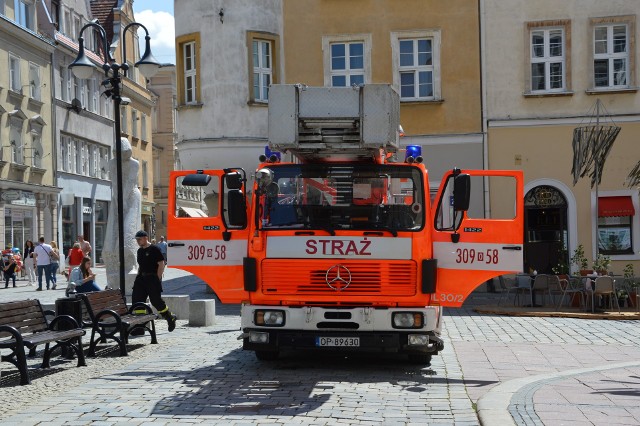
[335,197]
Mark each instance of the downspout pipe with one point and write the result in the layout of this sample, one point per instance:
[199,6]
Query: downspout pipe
[483,100]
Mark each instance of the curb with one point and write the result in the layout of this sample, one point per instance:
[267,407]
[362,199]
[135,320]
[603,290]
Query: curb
[493,407]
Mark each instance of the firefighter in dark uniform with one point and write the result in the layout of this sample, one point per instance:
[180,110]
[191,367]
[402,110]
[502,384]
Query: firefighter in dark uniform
[148,283]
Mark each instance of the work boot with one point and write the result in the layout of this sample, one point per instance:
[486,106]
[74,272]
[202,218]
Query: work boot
[171,320]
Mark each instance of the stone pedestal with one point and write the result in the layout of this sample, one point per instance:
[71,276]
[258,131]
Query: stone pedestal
[178,305]
[202,313]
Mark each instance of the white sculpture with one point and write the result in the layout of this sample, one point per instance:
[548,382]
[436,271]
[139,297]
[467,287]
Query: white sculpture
[131,202]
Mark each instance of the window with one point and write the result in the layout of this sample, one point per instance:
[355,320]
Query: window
[145,177]
[37,154]
[610,55]
[34,81]
[263,59]
[55,13]
[76,88]
[416,61]
[15,142]
[69,79]
[93,94]
[134,123]
[66,29]
[547,59]
[104,163]
[75,151]
[62,162]
[615,229]
[188,67]
[76,27]
[14,73]
[61,87]
[143,126]
[347,64]
[262,69]
[23,10]
[123,120]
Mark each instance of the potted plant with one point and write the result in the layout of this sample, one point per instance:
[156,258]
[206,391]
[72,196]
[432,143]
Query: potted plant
[561,269]
[580,260]
[632,283]
[622,297]
[601,264]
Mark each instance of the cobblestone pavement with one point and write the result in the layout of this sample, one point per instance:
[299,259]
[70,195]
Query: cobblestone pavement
[201,375]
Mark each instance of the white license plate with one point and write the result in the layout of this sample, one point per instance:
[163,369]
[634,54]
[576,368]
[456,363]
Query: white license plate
[338,341]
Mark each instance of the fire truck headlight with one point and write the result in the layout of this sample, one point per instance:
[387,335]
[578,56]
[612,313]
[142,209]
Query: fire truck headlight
[418,340]
[257,337]
[407,320]
[269,318]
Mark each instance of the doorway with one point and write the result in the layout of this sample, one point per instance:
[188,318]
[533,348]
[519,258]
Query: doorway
[546,231]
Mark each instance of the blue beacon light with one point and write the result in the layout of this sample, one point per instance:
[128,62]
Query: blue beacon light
[413,153]
[271,156]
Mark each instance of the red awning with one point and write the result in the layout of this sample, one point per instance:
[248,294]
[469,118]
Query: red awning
[615,206]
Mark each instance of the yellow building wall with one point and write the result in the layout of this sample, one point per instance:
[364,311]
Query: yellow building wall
[307,21]
[545,152]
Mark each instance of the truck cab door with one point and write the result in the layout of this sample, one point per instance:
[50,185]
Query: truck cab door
[207,228]
[471,249]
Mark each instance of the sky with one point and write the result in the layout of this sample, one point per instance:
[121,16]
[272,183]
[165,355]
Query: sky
[157,16]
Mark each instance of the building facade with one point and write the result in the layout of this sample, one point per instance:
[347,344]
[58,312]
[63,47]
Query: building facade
[163,124]
[545,66]
[83,131]
[428,50]
[28,191]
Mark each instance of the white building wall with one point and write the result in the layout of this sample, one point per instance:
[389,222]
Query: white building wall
[225,131]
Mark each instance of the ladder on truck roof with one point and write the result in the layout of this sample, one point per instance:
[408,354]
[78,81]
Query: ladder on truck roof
[334,123]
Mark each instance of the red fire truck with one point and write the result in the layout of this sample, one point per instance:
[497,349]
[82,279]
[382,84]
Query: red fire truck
[342,247]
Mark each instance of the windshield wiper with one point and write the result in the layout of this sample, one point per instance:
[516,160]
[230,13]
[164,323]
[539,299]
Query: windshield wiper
[327,228]
[390,230]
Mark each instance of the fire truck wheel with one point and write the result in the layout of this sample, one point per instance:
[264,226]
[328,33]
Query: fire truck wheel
[419,358]
[267,355]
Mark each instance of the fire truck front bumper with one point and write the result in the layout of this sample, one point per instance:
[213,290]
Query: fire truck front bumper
[402,330]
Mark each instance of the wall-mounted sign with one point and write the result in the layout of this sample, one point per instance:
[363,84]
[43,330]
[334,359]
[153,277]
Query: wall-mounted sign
[18,197]
[86,210]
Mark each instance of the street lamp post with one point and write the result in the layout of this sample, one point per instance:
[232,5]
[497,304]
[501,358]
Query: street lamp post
[83,68]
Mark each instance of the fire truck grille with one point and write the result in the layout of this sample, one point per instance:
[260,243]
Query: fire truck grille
[389,278]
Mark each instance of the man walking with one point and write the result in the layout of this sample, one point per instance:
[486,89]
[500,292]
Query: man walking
[42,258]
[148,283]
[162,245]
[85,246]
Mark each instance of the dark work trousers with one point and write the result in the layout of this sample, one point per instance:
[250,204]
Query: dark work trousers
[148,285]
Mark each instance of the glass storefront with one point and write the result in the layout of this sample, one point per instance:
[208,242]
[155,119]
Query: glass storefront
[101,214]
[69,232]
[18,227]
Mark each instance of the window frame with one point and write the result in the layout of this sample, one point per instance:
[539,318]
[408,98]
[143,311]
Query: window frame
[329,40]
[347,72]
[24,15]
[15,77]
[435,36]
[261,70]
[192,39]
[274,43]
[565,26]
[629,21]
[546,59]
[634,254]
[34,84]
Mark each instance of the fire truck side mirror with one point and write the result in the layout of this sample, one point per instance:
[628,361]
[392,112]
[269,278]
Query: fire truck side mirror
[236,209]
[233,180]
[196,180]
[461,192]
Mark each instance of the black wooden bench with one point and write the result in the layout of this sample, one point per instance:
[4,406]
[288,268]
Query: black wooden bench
[111,319]
[24,323]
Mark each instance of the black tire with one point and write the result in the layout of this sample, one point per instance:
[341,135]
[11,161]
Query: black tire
[420,358]
[267,355]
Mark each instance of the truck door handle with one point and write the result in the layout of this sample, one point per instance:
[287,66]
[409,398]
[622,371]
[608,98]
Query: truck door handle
[512,248]
[176,244]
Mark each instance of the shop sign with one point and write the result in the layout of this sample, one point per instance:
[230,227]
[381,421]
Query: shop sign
[17,216]
[147,209]
[86,210]
[18,197]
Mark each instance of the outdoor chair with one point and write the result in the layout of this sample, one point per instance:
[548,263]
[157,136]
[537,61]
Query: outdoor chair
[507,287]
[540,285]
[522,286]
[565,287]
[604,286]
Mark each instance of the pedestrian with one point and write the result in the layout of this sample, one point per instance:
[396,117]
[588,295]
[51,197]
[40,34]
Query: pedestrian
[55,263]
[162,245]
[42,258]
[85,246]
[74,259]
[9,269]
[29,262]
[148,282]
[83,280]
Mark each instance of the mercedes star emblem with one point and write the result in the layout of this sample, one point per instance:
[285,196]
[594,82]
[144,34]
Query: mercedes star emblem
[338,277]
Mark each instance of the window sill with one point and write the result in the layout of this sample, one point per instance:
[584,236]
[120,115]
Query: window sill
[2,163]
[421,101]
[14,96]
[190,106]
[34,103]
[611,90]
[547,94]
[258,103]
[38,170]
[19,167]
